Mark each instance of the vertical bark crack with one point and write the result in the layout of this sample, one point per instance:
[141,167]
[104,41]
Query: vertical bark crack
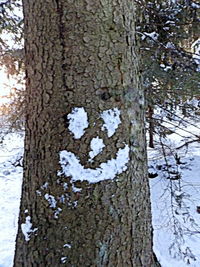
[61,28]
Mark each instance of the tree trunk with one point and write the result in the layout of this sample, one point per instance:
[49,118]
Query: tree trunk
[84,102]
[151,126]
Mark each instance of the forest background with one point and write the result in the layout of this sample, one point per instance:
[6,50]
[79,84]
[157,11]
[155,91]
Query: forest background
[168,33]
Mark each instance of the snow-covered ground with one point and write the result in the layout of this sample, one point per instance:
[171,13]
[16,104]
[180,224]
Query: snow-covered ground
[10,191]
[175,194]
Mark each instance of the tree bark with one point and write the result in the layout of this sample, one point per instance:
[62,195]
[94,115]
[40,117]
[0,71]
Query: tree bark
[83,54]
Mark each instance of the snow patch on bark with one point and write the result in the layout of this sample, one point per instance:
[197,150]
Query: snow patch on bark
[78,122]
[67,246]
[57,212]
[45,185]
[63,259]
[76,189]
[111,119]
[71,167]
[27,228]
[97,146]
[51,200]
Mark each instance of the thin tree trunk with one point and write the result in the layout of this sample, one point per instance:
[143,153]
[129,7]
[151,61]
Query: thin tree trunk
[82,56]
[151,126]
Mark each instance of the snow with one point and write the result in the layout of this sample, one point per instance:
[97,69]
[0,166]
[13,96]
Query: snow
[111,119]
[45,185]
[67,246]
[51,200]
[76,189]
[71,167]
[97,146]
[78,122]
[175,196]
[10,192]
[27,228]
[165,67]
[57,212]
[63,259]
[170,22]
[176,221]
[65,186]
[151,35]
[196,50]
[194,5]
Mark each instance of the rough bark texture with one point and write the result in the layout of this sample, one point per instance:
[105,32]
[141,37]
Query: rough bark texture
[83,54]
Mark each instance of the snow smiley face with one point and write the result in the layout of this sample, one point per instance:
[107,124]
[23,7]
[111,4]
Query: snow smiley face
[70,163]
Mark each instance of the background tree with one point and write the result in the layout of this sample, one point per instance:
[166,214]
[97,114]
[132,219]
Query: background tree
[11,33]
[11,60]
[167,31]
[85,119]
